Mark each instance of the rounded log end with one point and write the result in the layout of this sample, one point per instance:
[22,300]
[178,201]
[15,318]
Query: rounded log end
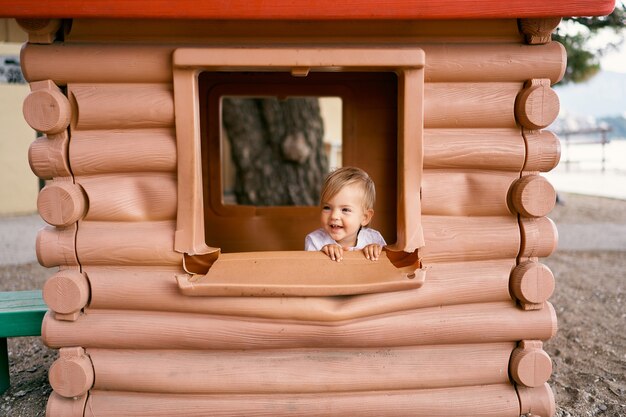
[66,292]
[59,406]
[539,237]
[53,330]
[47,157]
[38,159]
[543,151]
[537,401]
[537,106]
[42,31]
[62,204]
[47,111]
[563,60]
[71,376]
[533,196]
[530,367]
[532,282]
[44,237]
[39,26]
[538,31]
[55,247]
[553,319]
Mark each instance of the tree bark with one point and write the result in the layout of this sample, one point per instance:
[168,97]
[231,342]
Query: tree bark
[277,149]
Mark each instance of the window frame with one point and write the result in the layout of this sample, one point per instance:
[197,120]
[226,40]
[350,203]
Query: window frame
[188,63]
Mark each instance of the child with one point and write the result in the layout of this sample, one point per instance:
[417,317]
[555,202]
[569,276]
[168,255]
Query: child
[347,203]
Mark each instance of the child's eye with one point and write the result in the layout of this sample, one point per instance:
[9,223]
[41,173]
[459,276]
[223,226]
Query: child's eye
[346,210]
[325,208]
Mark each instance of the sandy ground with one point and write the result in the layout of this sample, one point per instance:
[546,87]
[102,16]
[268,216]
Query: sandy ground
[588,352]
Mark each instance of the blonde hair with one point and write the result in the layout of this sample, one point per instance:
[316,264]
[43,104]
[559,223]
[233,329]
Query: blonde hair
[345,176]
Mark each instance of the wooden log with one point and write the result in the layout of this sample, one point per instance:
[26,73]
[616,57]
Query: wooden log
[130,197]
[530,365]
[118,151]
[536,401]
[97,63]
[533,196]
[494,62]
[470,105]
[59,406]
[122,106]
[300,371]
[57,246]
[466,193]
[543,150]
[459,238]
[40,30]
[449,62]
[485,401]
[62,203]
[532,284]
[72,375]
[131,243]
[66,292]
[539,237]
[47,156]
[537,105]
[489,149]
[46,108]
[446,284]
[473,323]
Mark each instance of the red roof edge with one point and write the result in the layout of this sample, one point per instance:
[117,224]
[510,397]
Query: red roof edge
[305,9]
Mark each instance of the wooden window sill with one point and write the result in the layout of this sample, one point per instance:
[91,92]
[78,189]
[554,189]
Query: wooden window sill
[300,273]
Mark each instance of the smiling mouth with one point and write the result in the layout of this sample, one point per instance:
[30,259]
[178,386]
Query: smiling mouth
[335,226]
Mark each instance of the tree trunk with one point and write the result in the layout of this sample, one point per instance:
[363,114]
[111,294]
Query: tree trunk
[277,149]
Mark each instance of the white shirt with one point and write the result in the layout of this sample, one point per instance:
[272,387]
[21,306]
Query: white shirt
[318,239]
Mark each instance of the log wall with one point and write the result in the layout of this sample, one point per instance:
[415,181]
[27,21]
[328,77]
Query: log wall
[104,99]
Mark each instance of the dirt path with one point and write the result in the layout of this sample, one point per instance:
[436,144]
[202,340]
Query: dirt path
[588,352]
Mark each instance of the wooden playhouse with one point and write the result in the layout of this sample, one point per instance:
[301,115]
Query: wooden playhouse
[168,301]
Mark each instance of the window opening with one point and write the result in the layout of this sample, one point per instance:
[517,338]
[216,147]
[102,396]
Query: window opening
[364,106]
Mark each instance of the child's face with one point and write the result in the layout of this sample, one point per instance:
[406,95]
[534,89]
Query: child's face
[343,214]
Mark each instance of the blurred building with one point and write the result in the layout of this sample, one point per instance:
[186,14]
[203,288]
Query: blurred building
[18,185]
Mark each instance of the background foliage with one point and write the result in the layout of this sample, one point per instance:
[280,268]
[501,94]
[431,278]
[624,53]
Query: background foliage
[578,34]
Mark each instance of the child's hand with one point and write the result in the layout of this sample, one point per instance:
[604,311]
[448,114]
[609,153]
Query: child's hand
[335,252]
[372,251]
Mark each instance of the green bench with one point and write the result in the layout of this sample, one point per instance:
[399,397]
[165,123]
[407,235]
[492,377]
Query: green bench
[21,313]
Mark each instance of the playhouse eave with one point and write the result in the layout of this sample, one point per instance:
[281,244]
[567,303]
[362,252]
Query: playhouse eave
[305,10]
